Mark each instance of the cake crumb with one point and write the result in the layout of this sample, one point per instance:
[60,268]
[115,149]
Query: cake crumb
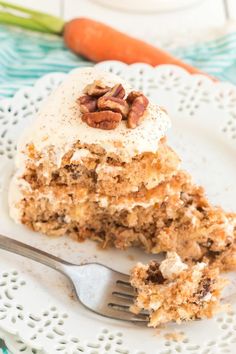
[175,336]
[131,257]
[193,294]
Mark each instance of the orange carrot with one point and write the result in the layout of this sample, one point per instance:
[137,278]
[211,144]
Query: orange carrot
[97,42]
[94,40]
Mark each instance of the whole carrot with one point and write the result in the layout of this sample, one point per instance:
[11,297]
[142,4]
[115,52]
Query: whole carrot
[92,39]
[97,42]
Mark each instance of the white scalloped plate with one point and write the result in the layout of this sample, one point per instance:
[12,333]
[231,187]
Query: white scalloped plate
[37,308]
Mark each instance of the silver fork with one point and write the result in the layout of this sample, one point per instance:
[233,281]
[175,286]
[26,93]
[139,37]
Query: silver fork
[99,288]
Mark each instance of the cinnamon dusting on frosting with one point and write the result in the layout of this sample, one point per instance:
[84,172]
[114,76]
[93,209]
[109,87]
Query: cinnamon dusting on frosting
[59,119]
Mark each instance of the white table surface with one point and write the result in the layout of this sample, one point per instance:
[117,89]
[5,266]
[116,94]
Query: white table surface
[206,15]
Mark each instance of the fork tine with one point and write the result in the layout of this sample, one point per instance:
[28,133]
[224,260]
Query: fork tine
[121,276]
[119,305]
[121,299]
[126,316]
[123,288]
[124,283]
[123,295]
[123,304]
[124,311]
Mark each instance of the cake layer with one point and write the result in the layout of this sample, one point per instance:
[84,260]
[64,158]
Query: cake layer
[174,291]
[179,219]
[87,167]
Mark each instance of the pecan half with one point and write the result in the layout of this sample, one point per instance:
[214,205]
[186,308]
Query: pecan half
[116,91]
[114,104]
[97,89]
[137,111]
[132,95]
[87,103]
[106,120]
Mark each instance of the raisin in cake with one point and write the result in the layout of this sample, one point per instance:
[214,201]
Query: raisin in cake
[95,164]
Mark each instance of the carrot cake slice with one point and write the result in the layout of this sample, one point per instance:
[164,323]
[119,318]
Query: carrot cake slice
[174,291]
[95,163]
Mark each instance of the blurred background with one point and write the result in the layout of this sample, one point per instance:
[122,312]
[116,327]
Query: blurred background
[154,20]
[201,33]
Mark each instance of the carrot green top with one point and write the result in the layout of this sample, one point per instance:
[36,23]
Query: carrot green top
[30,19]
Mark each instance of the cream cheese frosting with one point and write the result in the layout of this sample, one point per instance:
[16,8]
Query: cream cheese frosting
[172,266]
[58,124]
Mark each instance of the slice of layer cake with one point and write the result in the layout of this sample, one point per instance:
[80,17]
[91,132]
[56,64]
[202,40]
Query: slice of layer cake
[95,164]
[174,291]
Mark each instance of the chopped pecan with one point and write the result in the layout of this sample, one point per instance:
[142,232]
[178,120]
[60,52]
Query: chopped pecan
[114,104]
[106,120]
[87,104]
[103,107]
[132,95]
[96,89]
[116,91]
[137,111]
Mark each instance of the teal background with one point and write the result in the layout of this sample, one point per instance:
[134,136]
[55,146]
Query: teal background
[26,56]
[3,349]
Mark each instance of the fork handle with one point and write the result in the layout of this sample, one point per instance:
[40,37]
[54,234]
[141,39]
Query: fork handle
[35,254]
